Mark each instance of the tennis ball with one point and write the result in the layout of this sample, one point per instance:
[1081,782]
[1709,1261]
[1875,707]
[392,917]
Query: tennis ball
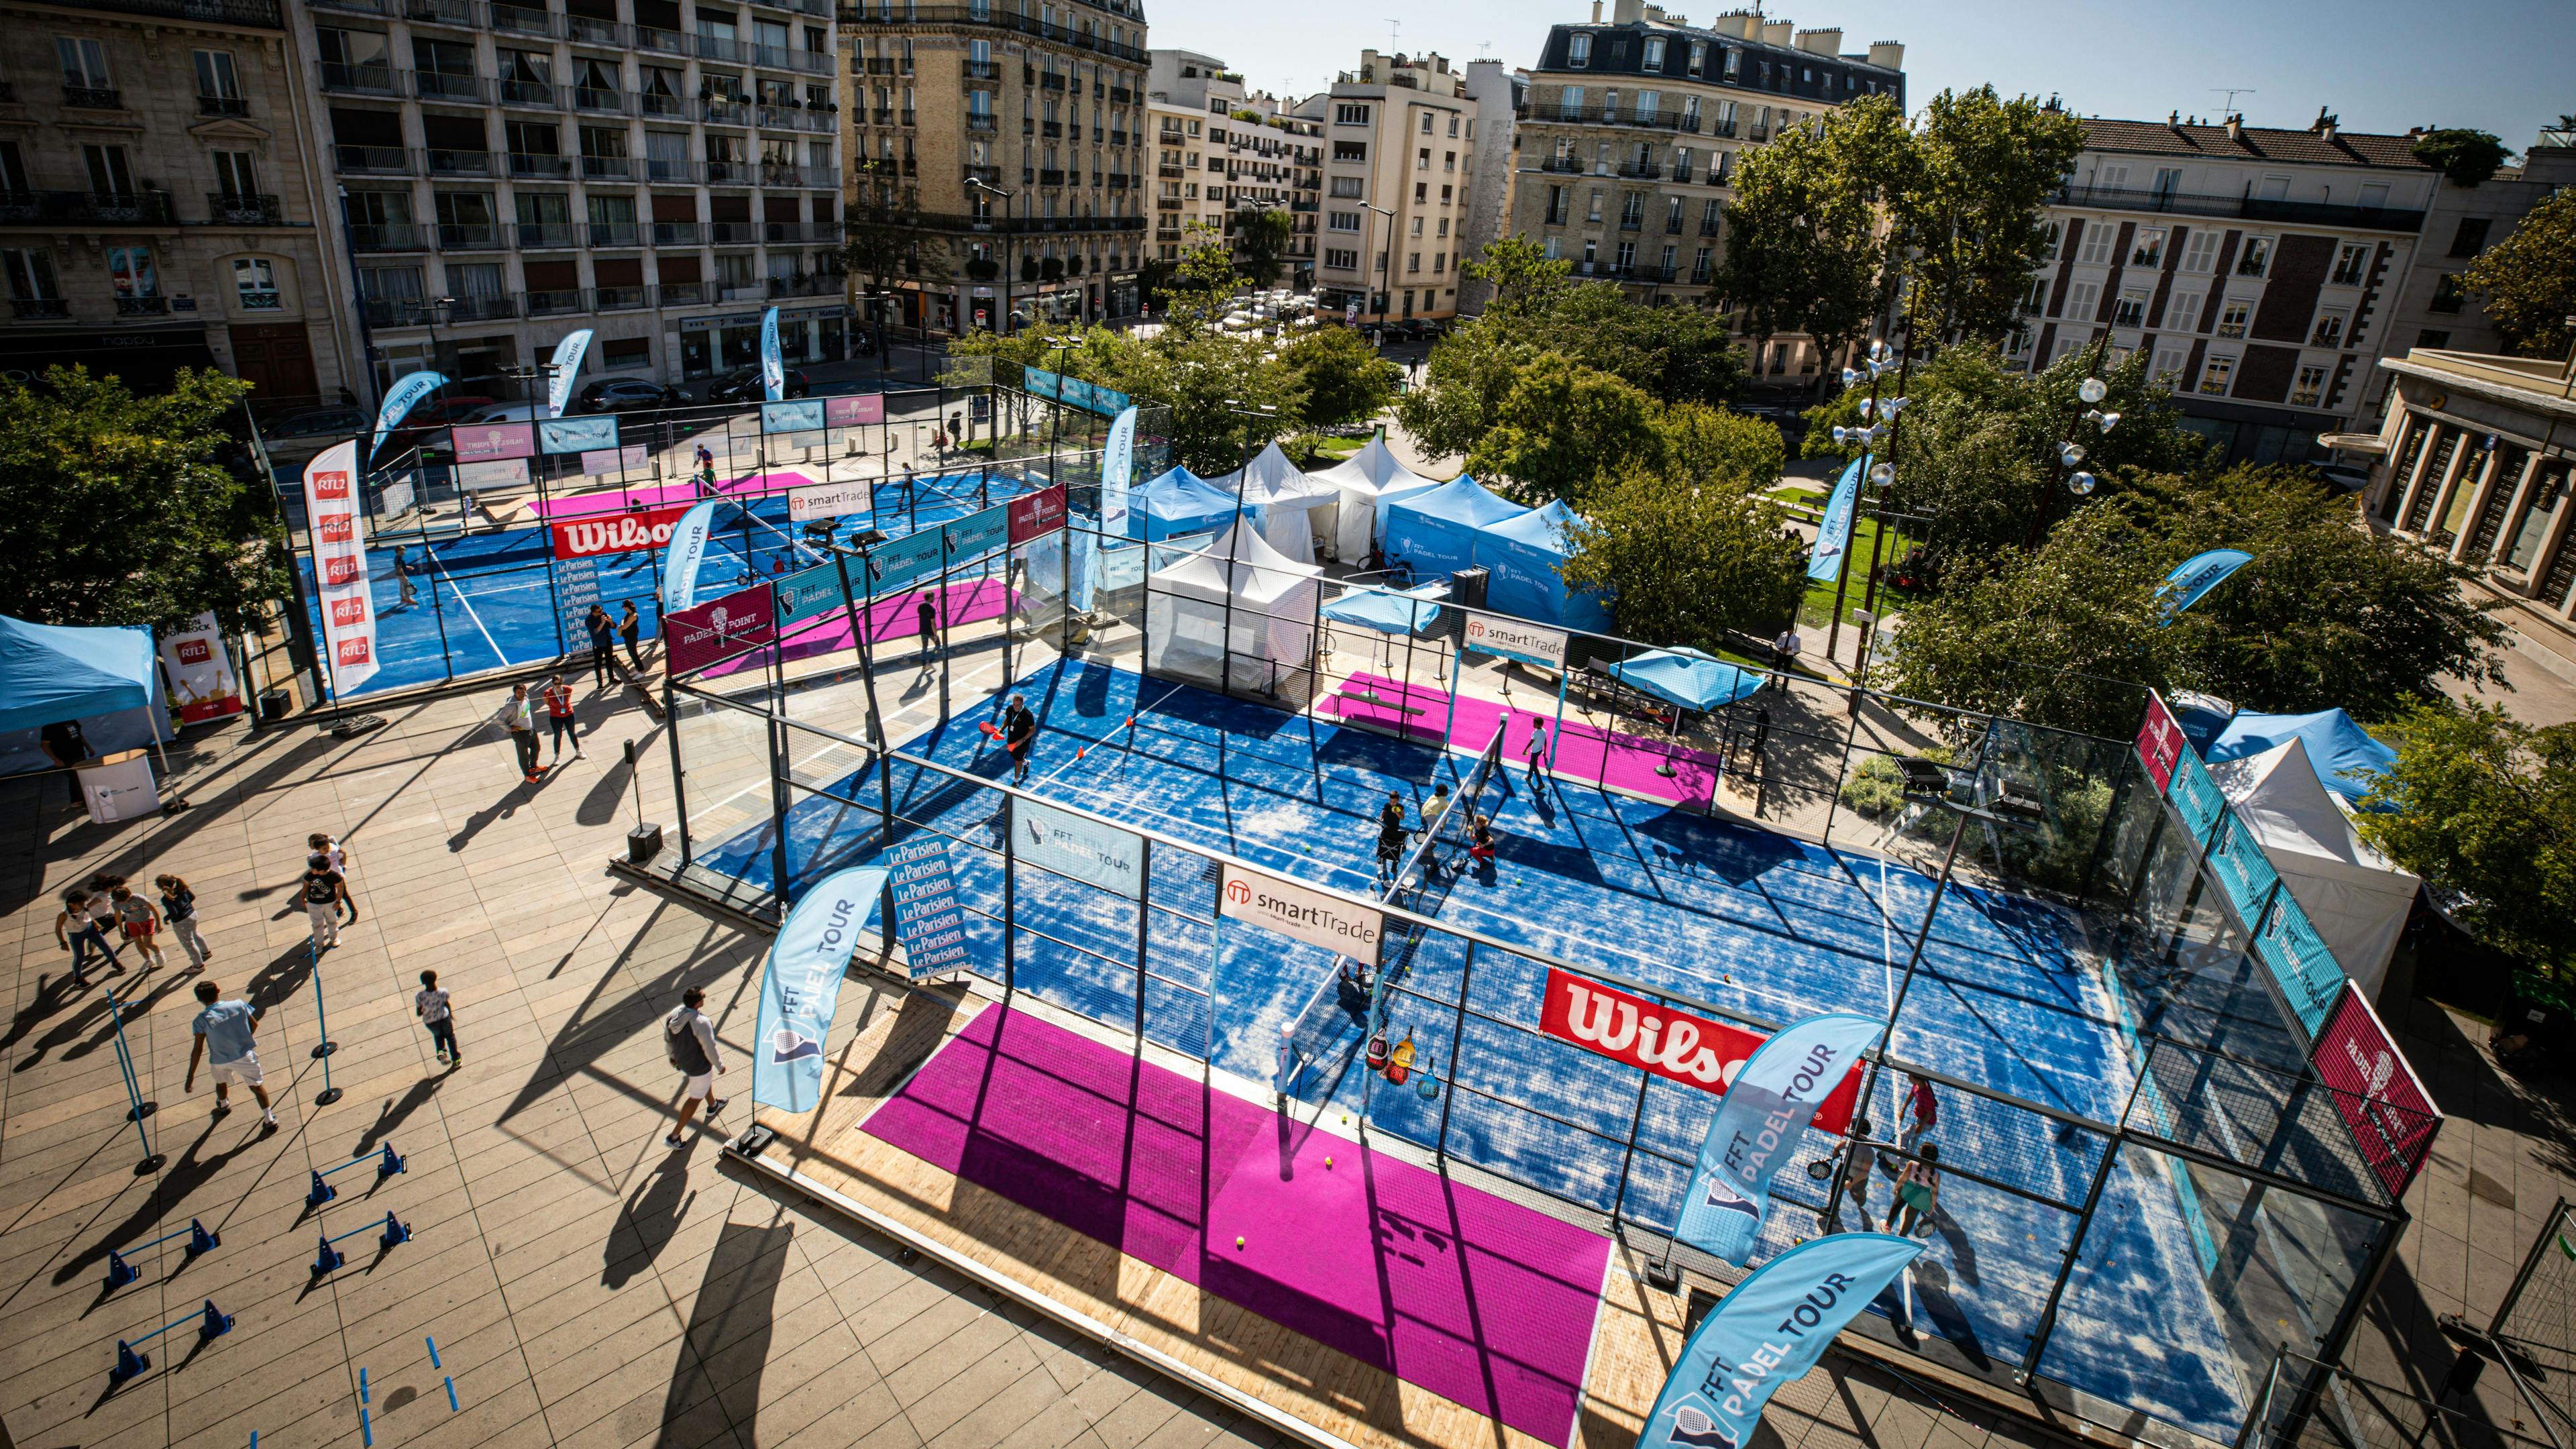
[1238,1242]
[1328,1162]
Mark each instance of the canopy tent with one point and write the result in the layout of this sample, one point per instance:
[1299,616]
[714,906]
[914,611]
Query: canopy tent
[2334,745]
[2357,900]
[1179,502]
[1524,554]
[1284,497]
[1687,677]
[1367,481]
[1389,611]
[109,679]
[1271,600]
[1435,532]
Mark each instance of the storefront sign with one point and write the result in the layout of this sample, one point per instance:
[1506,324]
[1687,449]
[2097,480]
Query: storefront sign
[475,442]
[717,631]
[1302,913]
[1692,1050]
[1037,514]
[1511,639]
[615,533]
[577,435]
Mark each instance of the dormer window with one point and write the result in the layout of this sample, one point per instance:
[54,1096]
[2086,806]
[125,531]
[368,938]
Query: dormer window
[1578,50]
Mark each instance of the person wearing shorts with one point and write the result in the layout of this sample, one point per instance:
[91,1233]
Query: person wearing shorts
[226,1035]
[689,1041]
[139,923]
[1390,837]
[179,908]
[1019,733]
[321,843]
[323,891]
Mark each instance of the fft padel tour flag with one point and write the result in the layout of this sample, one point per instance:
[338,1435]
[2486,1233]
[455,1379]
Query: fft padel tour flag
[802,983]
[1833,534]
[680,565]
[340,565]
[1761,1120]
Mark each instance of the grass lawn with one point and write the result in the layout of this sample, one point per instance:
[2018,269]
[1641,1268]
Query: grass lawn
[1816,610]
[1336,449]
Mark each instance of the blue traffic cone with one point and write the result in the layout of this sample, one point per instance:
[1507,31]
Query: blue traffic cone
[128,1364]
[390,1165]
[396,1231]
[328,1259]
[119,1271]
[201,1241]
[322,1192]
[217,1322]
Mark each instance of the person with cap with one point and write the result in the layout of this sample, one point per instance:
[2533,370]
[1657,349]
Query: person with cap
[1019,734]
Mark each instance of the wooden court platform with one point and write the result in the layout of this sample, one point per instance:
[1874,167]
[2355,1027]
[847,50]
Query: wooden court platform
[1294,1384]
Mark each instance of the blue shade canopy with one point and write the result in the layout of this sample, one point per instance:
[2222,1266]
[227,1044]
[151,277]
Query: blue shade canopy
[1435,533]
[1687,677]
[1389,612]
[49,673]
[1179,502]
[2334,745]
[1524,552]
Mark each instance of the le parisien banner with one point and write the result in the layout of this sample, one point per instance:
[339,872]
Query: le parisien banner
[1691,1050]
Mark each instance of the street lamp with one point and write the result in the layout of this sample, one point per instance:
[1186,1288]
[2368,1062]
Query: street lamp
[980,184]
[2071,454]
[1386,264]
[1877,423]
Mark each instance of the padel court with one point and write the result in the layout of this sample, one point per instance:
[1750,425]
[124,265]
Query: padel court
[2010,1010]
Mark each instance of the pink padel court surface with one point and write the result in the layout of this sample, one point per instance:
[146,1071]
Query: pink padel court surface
[1472,1297]
[1582,752]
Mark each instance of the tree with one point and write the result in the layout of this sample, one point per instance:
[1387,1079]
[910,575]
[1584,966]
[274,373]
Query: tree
[1344,379]
[1260,242]
[1563,425]
[1805,248]
[882,243]
[1202,285]
[1966,211]
[1688,557]
[1469,374]
[1672,354]
[118,513]
[2483,807]
[2464,157]
[2528,280]
[1706,442]
[1526,279]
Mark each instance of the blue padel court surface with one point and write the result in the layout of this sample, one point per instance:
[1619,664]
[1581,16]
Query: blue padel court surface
[495,609]
[1730,914]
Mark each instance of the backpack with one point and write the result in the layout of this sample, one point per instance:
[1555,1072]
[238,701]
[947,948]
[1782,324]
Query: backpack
[317,890]
[681,1045]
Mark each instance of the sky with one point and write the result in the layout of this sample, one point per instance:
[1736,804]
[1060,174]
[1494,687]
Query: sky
[2380,65]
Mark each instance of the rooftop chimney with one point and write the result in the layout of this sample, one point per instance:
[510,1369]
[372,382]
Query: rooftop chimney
[1596,12]
[1821,42]
[2325,124]
[2235,127]
[1781,33]
[1889,54]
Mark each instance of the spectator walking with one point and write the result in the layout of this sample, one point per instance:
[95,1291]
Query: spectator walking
[324,891]
[179,908]
[139,922]
[1785,647]
[1918,1191]
[75,932]
[323,843]
[402,579]
[227,1039]
[432,1006]
[1923,1110]
[1390,838]
[518,715]
[1858,1159]
[926,614]
[559,717]
[603,648]
[1019,736]
[630,628]
[1536,752]
[689,1041]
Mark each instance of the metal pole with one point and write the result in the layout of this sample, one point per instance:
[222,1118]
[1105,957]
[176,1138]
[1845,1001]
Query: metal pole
[1457,1041]
[1144,887]
[1636,1120]
[2339,1337]
[152,1160]
[1842,571]
[876,720]
[679,776]
[1913,958]
[1010,898]
[2083,1229]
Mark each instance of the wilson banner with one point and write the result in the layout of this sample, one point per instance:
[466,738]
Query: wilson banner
[616,533]
[1692,1050]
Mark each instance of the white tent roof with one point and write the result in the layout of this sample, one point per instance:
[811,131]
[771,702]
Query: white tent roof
[1258,572]
[1273,481]
[2357,900]
[1373,472]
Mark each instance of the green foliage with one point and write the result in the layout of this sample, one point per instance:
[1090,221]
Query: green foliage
[1706,442]
[1260,242]
[116,511]
[2464,157]
[1806,250]
[2485,809]
[1561,426]
[1687,556]
[1675,354]
[1469,374]
[1526,280]
[1345,381]
[2528,281]
[1876,790]
[1967,213]
[1202,285]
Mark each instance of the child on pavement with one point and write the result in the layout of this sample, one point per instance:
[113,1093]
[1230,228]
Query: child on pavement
[139,922]
[179,908]
[430,1004]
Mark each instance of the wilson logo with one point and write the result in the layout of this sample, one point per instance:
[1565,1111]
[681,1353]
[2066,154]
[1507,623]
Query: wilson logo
[622,533]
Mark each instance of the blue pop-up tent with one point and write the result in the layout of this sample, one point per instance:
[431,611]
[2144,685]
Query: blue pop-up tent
[1525,554]
[106,678]
[1178,504]
[1388,611]
[2334,745]
[1435,533]
[1687,677]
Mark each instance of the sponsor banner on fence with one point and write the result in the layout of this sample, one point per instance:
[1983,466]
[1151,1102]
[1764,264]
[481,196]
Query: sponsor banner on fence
[480,442]
[979,533]
[1117,470]
[801,985]
[2244,872]
[1756,1128]
[2197,797]
[1074,392]
[615,532]
[830,500]
[2392,1117]
[809,593]
[340,565]
[599,461]
[850,412]
[497,473]
[2160,742]
[1692,1050]
[1512,639]
[1071,845]
[899,564]
[717,631]
[577,435]
[688,547]
[2299,962]
[802,415]
[1302,914]
[927,918]
[577,583]
[202,686]
[1036,514]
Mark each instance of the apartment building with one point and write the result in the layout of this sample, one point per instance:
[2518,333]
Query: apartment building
[2433,309]
[160,204]
[1012,133]
[2258,268]
[1400,164]
[1631,130]
[1498,93]
[1222,154]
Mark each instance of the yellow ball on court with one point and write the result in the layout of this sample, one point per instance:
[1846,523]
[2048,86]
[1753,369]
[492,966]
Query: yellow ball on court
[1238,1242]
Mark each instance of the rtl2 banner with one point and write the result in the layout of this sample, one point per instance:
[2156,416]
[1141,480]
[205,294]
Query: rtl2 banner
[340,566]
[202,686]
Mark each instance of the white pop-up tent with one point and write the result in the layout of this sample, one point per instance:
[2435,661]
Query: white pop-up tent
[1272,601]
[2357,900]
[1285,498]
[1364,480]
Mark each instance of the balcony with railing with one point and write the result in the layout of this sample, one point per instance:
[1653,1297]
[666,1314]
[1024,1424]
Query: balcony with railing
[602,102]
[534,95]
[1561,165]
[806,284]
[1641,170]
[481,307]
[982,121]
[526,20]
[672,171]
[222,106]
[607,168]
[685,294]
[732,173]
[654,40]
[142,306]
[361,80]
[545,235]
[722,48]
[662,105]
[237,209]
[556,302]
[783,233]
[609,33]
[105,208]
[733,233]
[725,111]
[93,98]
[2247,207]
[459,13]
[614,233]
[39,309]
[801,117]
[470,236]
[434,86]
[620,299]
[811,178]
[374,160]
[992,17]
[389,236]
[540,166]
[678,233]
[781,57]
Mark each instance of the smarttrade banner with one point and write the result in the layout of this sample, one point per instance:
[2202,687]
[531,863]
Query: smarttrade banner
[1767,1333]
[399,402]
[688,547]
[801,985]
[1833,535]
[1761,1122]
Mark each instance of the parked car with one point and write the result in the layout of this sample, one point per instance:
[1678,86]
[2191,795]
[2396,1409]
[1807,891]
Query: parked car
[433,418]
[743,385]
[293,438]
[629,395]
[505,413]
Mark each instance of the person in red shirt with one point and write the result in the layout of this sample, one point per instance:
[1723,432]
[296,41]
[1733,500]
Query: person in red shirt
[1922,1108]
[559,720]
